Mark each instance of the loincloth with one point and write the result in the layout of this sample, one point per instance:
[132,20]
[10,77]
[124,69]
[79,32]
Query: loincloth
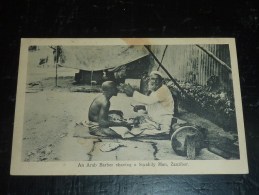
[112,132]
[95,129]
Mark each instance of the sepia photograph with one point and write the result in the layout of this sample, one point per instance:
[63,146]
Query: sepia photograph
[128,106]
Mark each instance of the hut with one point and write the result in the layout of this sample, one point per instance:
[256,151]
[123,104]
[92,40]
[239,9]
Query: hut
[99,63]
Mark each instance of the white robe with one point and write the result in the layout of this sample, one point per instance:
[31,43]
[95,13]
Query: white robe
[159,105]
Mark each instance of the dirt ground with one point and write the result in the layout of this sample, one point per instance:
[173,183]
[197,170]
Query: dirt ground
[51,113]
[50,118]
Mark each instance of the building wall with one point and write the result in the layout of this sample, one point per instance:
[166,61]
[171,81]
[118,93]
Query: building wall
[189,63]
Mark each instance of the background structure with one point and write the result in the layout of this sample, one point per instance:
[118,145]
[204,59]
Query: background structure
[114,18]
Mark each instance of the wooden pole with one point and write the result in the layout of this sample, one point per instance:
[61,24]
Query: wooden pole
[57,60]
[56,74]
[55,54]
[215,58]
[163,56]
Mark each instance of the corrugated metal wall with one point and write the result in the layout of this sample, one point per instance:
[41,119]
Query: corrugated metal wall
[189,63]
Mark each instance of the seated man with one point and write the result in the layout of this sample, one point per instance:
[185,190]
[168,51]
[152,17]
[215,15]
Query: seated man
[159,104]
[98,114]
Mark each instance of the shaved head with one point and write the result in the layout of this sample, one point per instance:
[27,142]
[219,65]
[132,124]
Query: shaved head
[109,87]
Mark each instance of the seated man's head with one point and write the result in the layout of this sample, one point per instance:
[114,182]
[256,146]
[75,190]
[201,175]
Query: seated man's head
[155,80]
[109,88]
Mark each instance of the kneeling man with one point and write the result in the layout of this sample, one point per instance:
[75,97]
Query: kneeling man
[98,115]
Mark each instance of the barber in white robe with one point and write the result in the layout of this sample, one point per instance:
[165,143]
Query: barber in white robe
[159,104]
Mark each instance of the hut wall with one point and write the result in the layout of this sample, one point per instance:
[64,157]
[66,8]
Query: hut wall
[188,63]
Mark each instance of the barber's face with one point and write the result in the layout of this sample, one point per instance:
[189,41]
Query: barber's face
[154,82]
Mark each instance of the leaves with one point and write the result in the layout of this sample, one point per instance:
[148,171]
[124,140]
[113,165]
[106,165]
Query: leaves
[219,105]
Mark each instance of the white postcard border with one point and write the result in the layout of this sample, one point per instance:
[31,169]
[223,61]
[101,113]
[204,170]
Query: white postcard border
[18,167]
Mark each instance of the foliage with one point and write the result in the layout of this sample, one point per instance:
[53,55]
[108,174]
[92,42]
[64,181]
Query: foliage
[215,105]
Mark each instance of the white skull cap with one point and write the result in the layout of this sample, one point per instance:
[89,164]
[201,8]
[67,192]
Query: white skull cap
[157,73]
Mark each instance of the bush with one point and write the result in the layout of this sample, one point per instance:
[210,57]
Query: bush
[217,106]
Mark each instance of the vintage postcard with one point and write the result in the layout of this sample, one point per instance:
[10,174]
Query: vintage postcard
[131,106]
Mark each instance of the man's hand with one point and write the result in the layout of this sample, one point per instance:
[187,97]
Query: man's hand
[139,107]
[128,89]
[125,124]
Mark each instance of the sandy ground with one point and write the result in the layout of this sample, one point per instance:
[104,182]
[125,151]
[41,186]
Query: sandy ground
[50,118]
[51,113]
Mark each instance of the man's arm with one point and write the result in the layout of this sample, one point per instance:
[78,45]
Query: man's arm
[128,89]
[147,100]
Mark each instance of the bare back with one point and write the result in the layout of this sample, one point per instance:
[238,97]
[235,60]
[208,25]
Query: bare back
[99,109]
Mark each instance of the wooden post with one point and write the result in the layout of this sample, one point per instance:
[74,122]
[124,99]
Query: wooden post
[190,142]
[56,74]
[163,56]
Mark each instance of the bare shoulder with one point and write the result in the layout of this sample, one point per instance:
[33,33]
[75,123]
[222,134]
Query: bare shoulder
[102,100]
